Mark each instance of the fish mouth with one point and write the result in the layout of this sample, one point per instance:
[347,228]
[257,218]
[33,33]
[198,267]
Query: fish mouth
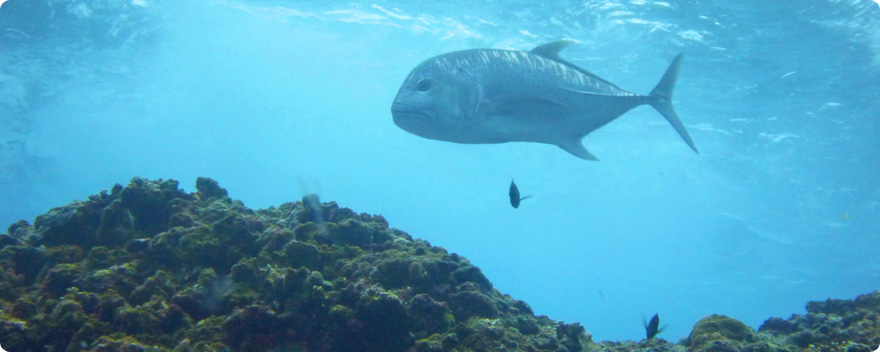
[407,115]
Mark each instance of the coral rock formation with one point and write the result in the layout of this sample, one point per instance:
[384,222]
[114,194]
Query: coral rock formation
[149,267]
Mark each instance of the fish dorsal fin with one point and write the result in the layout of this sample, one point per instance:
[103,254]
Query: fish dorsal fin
[551,51]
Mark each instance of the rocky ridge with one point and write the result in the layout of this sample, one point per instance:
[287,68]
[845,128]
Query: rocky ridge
[149,267]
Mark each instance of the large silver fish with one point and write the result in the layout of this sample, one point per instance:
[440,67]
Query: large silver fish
[499,96]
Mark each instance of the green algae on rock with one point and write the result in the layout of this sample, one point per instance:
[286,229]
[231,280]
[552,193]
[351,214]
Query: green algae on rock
[149,267]
[832,325]
[719,333]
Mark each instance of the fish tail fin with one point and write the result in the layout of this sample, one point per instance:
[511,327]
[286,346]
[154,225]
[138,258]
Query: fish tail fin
[662,100]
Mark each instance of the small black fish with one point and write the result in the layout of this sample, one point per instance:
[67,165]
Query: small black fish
[653,328]
[514,195]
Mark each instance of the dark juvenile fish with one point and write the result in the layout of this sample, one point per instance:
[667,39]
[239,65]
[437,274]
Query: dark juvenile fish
[653,327]
[514,195]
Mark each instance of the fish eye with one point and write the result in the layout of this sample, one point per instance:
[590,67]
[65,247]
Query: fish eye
[424,85]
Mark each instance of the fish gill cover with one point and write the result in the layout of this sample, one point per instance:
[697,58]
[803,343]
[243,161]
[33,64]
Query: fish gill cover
[150,267]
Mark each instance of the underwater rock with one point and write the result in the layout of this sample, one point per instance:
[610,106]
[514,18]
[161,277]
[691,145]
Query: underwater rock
[429,316]
[469,304]
[149,267]
[383,324]
[719,333]
[124,344]
[15,233]
[209,189]
[65,225]
[777,326]
[831,325]
[254,326]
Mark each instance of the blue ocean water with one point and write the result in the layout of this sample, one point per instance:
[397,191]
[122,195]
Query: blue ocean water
[276,99]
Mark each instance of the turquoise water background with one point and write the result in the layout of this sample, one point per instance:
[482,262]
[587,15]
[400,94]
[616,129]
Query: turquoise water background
[276,99]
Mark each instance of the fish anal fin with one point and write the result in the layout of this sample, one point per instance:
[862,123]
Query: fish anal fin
[574,147]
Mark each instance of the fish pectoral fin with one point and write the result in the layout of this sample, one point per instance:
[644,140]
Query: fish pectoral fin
[574,147]
[581,92]
[525,105]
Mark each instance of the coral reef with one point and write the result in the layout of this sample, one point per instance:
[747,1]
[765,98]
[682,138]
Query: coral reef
[719,333]
[149,267]
[835,325]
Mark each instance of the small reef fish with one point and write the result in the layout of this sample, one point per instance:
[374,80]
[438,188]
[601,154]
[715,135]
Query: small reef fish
[652,328]
[481,96]
[514,195]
